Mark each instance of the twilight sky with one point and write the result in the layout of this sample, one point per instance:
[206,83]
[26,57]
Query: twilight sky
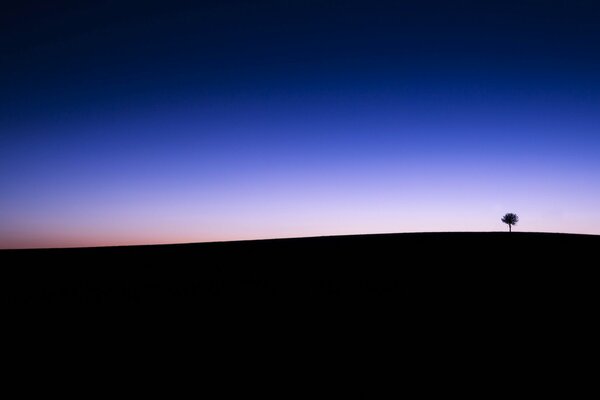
[126,122]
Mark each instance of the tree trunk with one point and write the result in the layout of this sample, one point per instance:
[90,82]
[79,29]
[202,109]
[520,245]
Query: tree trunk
[509,228]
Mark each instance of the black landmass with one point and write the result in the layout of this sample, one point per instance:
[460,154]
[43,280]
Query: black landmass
[426,313]
[423,269]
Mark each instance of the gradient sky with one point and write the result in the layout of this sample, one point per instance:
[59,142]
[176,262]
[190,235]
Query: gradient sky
[127,122]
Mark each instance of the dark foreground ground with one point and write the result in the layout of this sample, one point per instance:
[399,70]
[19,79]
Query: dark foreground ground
[439,313]
[441,268]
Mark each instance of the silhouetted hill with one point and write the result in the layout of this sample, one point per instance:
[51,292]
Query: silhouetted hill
[409,267]
[442,311]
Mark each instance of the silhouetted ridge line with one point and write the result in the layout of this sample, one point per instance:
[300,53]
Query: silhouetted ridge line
[408,267]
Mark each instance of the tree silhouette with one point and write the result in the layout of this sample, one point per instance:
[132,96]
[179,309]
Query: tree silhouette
[510,219]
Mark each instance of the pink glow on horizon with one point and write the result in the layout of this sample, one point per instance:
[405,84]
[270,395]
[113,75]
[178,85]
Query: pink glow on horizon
[281,204]
[341,222]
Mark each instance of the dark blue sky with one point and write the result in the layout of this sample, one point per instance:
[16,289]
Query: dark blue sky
[138,122]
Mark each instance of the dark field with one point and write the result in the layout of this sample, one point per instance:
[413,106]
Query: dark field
[422,270]
[442,312]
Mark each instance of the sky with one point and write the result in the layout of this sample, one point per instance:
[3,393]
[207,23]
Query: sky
[125,122]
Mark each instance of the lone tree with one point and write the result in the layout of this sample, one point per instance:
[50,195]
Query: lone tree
[510,219]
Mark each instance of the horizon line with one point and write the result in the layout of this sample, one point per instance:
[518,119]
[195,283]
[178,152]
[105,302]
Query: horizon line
[291,238]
